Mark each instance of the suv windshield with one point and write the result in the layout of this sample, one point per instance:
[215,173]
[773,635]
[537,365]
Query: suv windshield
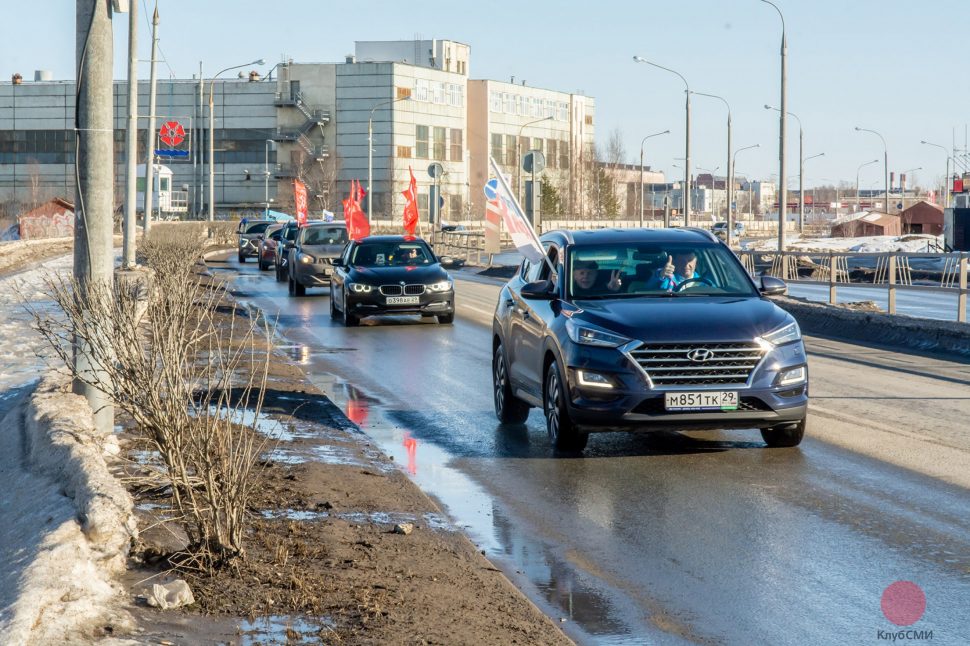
[259,227]
[325,235]
[645,270]
[385,254]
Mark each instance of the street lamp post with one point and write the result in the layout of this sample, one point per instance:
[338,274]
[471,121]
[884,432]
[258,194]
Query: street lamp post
[212,144]
[643,141]
[885,161]
[729,188]
[518,157]
[783,112]
[734,159]
[370,152]
[686,189]
[861,166]
[946,177]
[266,174]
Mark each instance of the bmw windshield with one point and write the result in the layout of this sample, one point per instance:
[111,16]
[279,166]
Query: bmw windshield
[390,254]
[642,270]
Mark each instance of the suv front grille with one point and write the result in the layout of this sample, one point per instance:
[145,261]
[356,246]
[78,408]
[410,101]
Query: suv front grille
[727,364]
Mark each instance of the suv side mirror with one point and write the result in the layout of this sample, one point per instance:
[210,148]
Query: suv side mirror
[771,286]
[539,290]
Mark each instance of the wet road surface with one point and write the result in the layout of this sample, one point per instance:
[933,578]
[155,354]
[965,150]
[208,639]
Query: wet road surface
[671,538]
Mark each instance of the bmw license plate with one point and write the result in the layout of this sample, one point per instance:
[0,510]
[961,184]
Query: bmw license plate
[706,400]
[403,300]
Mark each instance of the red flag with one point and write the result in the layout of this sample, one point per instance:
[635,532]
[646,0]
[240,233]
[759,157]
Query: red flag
[357,225]
[300,199]
[411,206]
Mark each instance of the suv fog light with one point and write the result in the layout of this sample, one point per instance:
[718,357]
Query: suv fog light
[792,376]
[593,379]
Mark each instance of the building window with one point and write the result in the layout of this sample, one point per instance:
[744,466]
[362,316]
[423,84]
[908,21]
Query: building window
[537,143]
[495,101]
[508,103]
[439,93]
[588,120]
[497,147]
[564,154]
[421,89]
[421,142]
[403,92]
[404,151]
[523,148]
[456,145]
[563,111]
[510,150]
[423,205]
[454,205]
[534,109]
[551,152]
[440,143]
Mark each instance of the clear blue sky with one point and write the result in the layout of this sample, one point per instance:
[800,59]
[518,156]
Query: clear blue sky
[890,65]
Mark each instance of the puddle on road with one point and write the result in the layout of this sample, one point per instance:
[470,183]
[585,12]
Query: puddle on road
[388,518]
[281,629]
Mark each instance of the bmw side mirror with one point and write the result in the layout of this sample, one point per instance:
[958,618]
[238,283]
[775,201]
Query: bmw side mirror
[539,290]
[771,286]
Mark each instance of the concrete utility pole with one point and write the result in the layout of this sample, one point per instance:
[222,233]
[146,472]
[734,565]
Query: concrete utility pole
[131,144]
[150,134]
[782,114]
[94,188]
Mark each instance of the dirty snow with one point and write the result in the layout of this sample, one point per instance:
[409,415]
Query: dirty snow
[914,243]
[49,585]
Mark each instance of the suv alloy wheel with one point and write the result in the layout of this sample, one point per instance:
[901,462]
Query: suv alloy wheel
[561,429]
[509,409]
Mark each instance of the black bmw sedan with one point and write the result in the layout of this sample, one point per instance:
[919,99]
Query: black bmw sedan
[646,329]
[390,275]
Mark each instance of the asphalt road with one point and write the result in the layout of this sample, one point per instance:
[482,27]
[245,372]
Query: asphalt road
[672,538]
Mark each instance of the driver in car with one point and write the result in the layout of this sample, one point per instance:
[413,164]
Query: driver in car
[680,267]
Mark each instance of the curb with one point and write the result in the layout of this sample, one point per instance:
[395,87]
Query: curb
[897,330]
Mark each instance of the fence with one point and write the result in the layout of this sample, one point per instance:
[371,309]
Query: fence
[940,273]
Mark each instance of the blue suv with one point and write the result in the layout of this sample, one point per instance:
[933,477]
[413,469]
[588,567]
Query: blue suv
[649,329]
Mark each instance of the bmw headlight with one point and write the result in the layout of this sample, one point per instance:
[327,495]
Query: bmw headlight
[588,335]
[443,286]
[307,259]
[360,288]
[785,334]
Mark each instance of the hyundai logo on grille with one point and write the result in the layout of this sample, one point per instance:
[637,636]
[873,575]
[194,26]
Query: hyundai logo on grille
[700,354]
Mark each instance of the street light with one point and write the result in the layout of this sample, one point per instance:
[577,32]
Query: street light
[266,174]
[708,170]
[946,177]
[801,169]
[518,157]
[643,141]
[734,161]
[212,144]
[370,151]
[686,190]
[782,113]
[729,189]
[861,166]
[885,161]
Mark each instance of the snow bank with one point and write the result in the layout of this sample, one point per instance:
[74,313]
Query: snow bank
[65,524]
[913,243]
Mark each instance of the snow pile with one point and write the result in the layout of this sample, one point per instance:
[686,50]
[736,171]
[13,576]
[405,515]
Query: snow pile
[913,243]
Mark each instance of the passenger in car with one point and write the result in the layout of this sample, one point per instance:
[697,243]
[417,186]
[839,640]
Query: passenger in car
[588,280]
[681,266]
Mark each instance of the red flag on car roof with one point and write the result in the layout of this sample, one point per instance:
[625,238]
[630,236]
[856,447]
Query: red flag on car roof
[411,205]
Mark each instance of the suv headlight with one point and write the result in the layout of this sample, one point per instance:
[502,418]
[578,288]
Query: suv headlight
[443,286]
[360,288]
[307,259]
[588,335]
[781,336]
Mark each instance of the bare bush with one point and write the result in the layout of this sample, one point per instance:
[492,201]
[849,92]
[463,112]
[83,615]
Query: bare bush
[193,389]
[220,233]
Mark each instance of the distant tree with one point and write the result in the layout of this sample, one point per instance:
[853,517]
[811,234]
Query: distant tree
[553,202]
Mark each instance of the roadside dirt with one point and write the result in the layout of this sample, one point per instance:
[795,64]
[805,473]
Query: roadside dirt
[323,561]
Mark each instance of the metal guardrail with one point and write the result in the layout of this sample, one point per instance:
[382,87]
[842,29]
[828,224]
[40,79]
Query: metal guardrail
[894,270]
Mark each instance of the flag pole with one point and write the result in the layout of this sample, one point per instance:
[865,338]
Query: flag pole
[519,212]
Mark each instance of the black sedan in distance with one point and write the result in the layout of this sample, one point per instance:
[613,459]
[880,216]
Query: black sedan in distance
[390,275]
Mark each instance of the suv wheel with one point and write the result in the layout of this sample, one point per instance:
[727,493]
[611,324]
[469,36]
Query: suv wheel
[262,265]
[784,436]
[509,409]
[349,319]
[242,258]
[298,288]
[561,429]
